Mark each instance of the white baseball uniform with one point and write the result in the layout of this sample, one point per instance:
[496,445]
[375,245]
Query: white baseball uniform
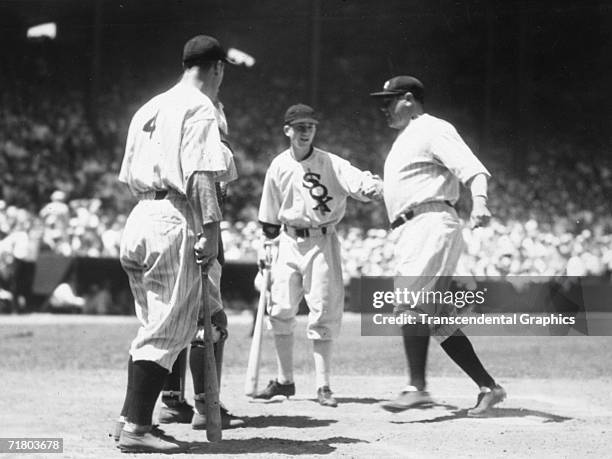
[172,136]
[308,198]
[421,182]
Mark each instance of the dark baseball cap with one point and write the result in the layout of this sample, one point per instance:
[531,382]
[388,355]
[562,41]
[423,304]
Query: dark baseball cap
[401,85]
[301,113]
[203,48]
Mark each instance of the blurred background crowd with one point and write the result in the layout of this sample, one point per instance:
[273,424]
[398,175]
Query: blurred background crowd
[61,145]
[60,192]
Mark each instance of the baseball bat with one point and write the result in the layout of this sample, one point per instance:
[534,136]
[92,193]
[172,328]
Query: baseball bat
[211,384]
[252,375]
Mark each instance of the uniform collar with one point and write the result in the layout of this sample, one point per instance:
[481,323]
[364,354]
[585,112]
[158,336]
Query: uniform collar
[308,155]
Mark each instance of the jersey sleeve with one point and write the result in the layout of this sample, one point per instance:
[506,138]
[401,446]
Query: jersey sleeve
[202,196]
[269,207]
[355,182]
[448,147]
[231,172]
[201,147]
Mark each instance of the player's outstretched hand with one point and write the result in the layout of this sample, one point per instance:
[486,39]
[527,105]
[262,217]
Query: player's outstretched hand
[480,215]
[374,190]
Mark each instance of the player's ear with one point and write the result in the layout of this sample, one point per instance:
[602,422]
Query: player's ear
[408,99]
[286,129]
[219,67]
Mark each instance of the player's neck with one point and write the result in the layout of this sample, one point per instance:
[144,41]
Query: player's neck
[415,114]
[300,154]
[193,80]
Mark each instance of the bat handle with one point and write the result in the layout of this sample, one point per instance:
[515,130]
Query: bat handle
[268,253]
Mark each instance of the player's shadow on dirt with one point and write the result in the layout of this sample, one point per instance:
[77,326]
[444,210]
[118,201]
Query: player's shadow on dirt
[429,406]
[363,400]
[494,413]
[286,421]
[271,446]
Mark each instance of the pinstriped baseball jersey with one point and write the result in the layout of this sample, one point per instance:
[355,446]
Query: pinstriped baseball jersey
[312,192]
[167,138]
[424,167]
[426,163]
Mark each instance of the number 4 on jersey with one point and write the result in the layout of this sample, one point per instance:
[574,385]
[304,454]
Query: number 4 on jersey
[150,126]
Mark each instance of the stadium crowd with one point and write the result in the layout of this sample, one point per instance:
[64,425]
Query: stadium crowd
[59,191]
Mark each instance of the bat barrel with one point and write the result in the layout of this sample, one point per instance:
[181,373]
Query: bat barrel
[252,375]
[213,408]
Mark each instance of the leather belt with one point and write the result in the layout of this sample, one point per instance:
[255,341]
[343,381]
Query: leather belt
[159,195]
[305,232]
[416,210]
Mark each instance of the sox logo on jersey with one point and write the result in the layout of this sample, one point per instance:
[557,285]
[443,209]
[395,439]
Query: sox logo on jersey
[317,191]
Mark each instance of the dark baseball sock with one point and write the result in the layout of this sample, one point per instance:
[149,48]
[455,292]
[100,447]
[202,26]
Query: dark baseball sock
[128,391]
[218,349]
[197,358]
[148,381]
[416,345]
[460,349]
[173,380]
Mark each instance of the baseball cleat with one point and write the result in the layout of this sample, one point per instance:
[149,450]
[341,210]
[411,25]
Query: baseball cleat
[487,400]
[408,399]
[325,397]
[116,435]
[176,413]
[228,420]
[275,388]
[148,442]
[118,427]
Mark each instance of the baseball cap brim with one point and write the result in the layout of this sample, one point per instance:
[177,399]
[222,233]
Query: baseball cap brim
[303,120]
[387,93]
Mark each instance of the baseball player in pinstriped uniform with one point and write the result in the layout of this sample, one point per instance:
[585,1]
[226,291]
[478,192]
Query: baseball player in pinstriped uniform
[422,176]
[173,158]
[175,408]
[304,197]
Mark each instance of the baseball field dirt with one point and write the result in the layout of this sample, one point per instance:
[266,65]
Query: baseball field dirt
[63,376]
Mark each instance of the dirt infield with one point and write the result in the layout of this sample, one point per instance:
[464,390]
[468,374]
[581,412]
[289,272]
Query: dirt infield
[77,398]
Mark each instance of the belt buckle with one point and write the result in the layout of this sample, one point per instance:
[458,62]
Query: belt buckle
[302,232]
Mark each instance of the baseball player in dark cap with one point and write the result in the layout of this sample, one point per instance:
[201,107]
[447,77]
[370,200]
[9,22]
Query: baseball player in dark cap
[173,158]
[422,175]
[304,197]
